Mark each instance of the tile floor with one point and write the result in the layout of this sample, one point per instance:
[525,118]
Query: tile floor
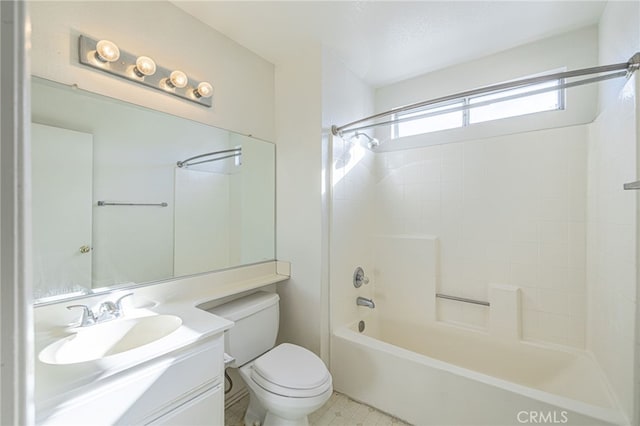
[340,410]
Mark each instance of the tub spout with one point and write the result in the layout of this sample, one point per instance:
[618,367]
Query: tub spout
[363,301]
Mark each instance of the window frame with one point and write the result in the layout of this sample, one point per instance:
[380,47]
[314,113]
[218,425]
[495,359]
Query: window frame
[466,108]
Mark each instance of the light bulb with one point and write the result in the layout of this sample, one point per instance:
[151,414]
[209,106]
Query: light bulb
[204,90]
[144,66]
[178,79]
[107,51]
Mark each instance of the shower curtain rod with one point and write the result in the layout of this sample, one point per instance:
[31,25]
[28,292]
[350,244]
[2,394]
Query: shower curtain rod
[492,101]
[630,66]
[236,152]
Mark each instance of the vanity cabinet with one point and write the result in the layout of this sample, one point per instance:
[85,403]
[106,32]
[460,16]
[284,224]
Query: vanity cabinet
[179,388]
[198,411]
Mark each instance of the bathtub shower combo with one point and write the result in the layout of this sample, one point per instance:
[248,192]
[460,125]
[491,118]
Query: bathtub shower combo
[431,372]
[397,354]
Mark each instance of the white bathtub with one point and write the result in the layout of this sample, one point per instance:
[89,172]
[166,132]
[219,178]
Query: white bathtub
[444,375]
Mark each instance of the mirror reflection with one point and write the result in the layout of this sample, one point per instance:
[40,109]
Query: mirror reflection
[112,206]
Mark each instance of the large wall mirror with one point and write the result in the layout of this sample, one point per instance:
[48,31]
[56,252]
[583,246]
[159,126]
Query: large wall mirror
[112,208]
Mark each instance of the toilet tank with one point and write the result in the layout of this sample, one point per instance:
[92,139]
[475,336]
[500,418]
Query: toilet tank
[256,319]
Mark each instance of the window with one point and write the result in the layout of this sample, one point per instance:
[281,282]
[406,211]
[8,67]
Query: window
[517,103]
[429,123]
[547,101]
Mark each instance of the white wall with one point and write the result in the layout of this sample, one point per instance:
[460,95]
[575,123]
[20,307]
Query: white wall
[243,82]
[619,39]
[16,333]
[612,227]
[507,210]
[316,89]
[350,187]
[612,251]
[298,199]
[406,275]
[573,50]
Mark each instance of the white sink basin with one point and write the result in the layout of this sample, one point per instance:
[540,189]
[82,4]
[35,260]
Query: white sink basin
[109,338]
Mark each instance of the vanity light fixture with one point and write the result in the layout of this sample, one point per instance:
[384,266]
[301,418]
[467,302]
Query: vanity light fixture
[177,79]
[204,90]
[104,55]
[107,51]
[144,66]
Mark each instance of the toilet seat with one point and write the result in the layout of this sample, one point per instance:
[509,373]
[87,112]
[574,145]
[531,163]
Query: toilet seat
[292,371]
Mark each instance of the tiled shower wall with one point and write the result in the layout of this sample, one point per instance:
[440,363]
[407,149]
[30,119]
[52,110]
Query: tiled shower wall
[353,215]
[612,227]
[507,210]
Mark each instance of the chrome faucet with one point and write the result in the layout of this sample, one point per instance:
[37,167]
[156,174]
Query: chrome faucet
[363,301]
[107,311]
[88,318]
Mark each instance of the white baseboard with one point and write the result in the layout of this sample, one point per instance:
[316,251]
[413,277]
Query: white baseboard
[228,402]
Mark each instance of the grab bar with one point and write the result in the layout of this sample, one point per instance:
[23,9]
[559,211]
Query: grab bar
[632,185]
[115,203]
[462,299]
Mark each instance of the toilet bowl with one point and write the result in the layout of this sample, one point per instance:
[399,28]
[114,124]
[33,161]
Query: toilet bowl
[285,383]
[288,382]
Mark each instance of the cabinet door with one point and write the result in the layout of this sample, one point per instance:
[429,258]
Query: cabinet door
[149,391]
[206,409]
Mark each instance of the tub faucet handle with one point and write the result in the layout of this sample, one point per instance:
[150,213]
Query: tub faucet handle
[359,278]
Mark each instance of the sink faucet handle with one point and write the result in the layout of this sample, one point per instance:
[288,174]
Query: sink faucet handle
[119,302]
[108,308]
[88,318]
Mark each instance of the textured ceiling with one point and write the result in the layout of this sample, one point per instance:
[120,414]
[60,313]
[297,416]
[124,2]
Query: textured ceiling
[387,41]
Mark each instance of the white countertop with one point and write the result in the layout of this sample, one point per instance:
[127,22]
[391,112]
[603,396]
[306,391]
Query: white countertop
[58,385]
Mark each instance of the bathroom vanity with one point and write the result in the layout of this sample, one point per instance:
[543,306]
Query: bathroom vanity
[145,367]
[176,379]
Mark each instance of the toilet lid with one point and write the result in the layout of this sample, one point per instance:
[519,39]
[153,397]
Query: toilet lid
[272,388]
[293,367]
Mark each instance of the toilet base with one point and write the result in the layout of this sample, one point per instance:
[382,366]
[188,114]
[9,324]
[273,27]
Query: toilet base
[273,420]
[268,409]
[255,414]
[250,419]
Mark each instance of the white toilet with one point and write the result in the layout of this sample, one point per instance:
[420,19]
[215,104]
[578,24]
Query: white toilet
[285,383]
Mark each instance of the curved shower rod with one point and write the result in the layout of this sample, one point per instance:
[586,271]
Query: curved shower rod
[236,153]
[630,66]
